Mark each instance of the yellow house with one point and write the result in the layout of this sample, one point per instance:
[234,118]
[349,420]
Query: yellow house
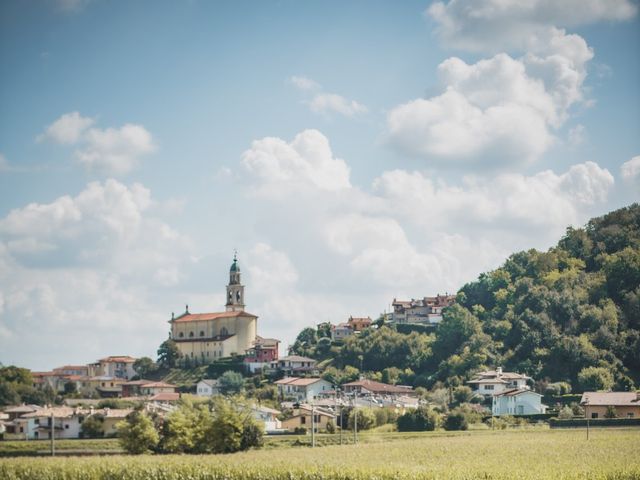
[302,418]
[597,404]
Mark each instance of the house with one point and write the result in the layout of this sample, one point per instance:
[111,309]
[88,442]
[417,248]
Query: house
[302,389]
[358,324]
[207,387]
[491,382]
[80,370]
[64,422]
[118,366]
[111,418]
[133,388]
[268,417]
[165,398]
[294,364]
[370,387]
[18,428]
[596,404]
[517,401]
[341,331]
[102,386]
[154,388]
[427,310]
[302,418]
[263,352]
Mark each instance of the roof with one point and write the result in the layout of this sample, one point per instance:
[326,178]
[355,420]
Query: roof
[201,317]
[618,399]
[72,367]
[165,397]
[118,359]
[264,342]
[296,358]
[113,412]
[360,319]
[514,392]
[488,380]
[212,382]
[378,387]
[158,385]
[57,412]
[137,382]
[22,409]
[297,381]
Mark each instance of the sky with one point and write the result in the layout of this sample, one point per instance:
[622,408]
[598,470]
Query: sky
[352,152]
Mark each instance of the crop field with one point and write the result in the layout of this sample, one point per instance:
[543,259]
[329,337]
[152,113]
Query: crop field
[528,454]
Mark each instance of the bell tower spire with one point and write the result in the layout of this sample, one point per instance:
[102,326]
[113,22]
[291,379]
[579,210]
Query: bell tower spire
[235,290]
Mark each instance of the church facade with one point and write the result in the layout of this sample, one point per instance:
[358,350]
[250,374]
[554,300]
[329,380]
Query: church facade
[206,337]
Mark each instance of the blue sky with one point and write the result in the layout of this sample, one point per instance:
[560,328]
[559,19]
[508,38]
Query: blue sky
[352,152]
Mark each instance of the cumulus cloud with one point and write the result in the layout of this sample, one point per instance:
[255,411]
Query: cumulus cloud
[496,25]
[630,170]
[114,151]
[306,161]
[324,102]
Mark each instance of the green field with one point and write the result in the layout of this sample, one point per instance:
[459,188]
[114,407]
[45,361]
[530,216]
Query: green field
[527,454]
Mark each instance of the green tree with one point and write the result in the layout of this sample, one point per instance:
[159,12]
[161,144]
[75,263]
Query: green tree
[595,378]
[366,418]
[137,434]
[462,394]
[168,354]
[231,382]
[456,420]
[418,420]
[233,428]
[93,426]
[144,367]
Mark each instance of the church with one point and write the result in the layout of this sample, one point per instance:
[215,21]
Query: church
[206,337]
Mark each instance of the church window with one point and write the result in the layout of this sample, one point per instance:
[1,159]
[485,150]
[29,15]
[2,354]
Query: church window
[202,333]
[180,335]
[190,334]
[224,331]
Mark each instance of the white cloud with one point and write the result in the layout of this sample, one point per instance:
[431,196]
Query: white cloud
[497,25]
[303,83]
[331,102]
[114,151]
[577,135]
[306,161]
[630,170]
[67,129]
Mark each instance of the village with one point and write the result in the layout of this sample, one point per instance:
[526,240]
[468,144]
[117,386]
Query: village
[303,397]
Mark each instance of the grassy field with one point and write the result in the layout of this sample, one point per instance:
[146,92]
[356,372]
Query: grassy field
[528,454]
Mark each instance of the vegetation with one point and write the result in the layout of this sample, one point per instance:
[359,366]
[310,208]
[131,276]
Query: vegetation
[16,387]
[168,354]
[609,454]
[231,383]
[419,420]
[137,433]
[569,317]
[93,426]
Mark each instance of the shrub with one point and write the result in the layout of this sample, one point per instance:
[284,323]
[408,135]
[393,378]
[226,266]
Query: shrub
[418,420]
[456,420]
[93,426]
[565,413]
[331,428]
[366,418]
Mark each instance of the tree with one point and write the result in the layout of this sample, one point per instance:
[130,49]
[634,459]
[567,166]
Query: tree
[233,428]
[144,366]
[418,420]
[456,420]
[611,412]
[565,413]
[168,354]
[366,418]
[230,382]
[462,394]
[595,378]
[93,426]
[137,434]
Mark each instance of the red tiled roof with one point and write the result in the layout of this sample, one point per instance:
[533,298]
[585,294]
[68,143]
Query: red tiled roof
[378,387]
[297,381]
[118,359]
[515,391]
[165,397]
[199,317]
[158,385]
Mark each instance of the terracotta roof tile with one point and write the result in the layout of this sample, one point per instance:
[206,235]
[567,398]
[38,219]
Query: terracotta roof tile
[199,317]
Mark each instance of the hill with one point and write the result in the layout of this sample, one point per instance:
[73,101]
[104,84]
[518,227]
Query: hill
[569,314]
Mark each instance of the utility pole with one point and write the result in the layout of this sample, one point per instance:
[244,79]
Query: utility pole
[355,421]
[313,426]
[53,434]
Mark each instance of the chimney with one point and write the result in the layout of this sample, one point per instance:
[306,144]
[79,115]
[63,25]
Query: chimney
[499,370]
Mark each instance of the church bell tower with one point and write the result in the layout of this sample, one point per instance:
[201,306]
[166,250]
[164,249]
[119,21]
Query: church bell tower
[235,291]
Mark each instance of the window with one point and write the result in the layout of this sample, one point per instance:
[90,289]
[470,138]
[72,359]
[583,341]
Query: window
[303,420]
[66,426]
[180,335]
[630,415]
[202,333]
[594,415]
[224,331]
[190,334]
[488,387]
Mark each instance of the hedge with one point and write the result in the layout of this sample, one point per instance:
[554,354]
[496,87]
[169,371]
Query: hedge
[594,422]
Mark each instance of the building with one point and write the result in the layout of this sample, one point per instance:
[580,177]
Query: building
[358,324]
[492,382]
[205,337]
[154,388]
[262,354]
[133,388]
[370,387]
[63,421]
[102,386]
[295,364]
[340,332]
[207,387]
[79,370]
[598,404]
[268,417]
[17,427]
[517,401]
[302,389]
[427,310]
[118,366]
[302,418]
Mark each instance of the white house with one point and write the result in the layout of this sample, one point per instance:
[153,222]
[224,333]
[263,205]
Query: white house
[492,382]
[66,422]
[268,417]
[341,331]
[207,387]
[114,366]
[517,402]
[17,427]
[292,364]
[302,389]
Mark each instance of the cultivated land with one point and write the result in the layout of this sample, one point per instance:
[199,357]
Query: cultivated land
[527,454]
